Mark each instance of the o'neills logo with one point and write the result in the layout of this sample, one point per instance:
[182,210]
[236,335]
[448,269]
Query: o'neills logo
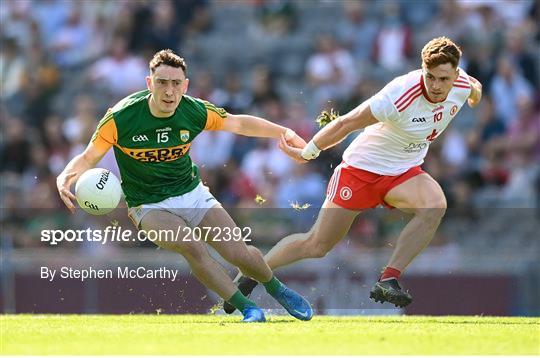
[103,180]
[440,108]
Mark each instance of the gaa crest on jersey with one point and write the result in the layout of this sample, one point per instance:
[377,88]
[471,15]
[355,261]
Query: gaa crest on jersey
[453,110]
[345,193]
[184,135]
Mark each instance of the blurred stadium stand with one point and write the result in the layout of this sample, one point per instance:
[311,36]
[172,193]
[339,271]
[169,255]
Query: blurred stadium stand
[63,63]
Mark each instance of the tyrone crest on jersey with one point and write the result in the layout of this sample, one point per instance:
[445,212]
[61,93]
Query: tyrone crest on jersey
[184,135]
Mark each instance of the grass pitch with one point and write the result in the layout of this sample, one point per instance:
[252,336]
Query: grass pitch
[221,335]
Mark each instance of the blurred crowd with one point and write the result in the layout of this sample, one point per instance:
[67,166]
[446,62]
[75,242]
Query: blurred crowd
[64,62]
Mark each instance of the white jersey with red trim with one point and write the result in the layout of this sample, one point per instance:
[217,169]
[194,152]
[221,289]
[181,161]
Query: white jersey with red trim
[408,123]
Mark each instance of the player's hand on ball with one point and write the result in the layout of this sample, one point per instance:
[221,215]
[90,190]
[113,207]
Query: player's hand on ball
[63,184]
[294,152]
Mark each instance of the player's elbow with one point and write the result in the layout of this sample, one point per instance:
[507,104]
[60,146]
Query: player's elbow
[473,103]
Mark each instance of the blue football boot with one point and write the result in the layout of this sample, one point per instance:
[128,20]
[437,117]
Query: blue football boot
[253,314]
[294,303]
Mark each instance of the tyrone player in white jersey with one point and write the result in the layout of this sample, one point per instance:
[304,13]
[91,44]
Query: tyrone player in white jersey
[382,165]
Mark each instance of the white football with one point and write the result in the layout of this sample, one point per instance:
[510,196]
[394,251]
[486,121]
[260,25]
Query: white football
[98,191]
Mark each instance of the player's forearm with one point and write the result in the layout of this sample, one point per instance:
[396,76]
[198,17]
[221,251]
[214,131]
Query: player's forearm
[331,134]
[80,163]
[337,130]
[252,126]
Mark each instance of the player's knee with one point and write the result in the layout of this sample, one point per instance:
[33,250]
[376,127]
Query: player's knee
[194,253]
[239,260]
[168,245]
[439,207]
[434,210]
[254,251]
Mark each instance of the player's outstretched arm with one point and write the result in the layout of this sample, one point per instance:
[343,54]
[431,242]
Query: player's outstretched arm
[73,170]
[342,126]
[476,92]
[252,126]
[333,133]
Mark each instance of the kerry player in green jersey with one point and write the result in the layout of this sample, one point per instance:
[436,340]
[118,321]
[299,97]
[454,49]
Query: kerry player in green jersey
[151,132]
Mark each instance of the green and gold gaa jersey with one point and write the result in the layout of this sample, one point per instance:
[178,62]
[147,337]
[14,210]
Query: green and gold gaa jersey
[153,153]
